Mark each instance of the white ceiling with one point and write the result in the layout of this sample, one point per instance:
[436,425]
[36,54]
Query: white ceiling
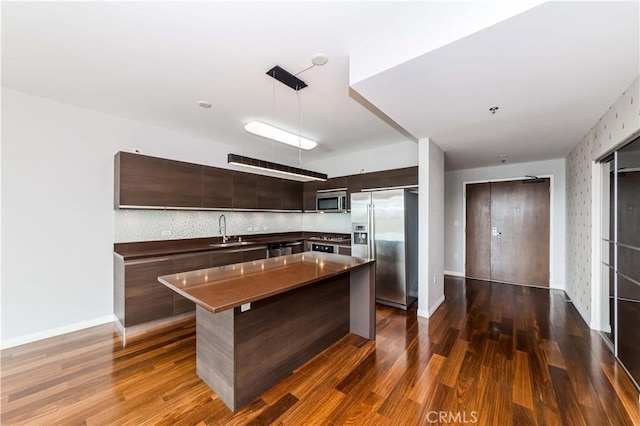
[553,70]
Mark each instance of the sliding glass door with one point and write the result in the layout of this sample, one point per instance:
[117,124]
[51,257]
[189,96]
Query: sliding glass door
[621,255]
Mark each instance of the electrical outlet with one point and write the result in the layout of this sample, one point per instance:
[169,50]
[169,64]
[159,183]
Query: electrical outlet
[166,232]
[435,278]
[265,228]
[137,151]
[245,307]
[456,223]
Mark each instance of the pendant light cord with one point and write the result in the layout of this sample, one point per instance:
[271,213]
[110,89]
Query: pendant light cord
[273,115]
[299,129]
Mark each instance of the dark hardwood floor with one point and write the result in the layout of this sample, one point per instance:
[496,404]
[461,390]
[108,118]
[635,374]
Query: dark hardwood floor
[493,354]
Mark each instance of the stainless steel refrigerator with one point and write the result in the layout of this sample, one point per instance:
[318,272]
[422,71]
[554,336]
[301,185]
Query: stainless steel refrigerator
[384,226]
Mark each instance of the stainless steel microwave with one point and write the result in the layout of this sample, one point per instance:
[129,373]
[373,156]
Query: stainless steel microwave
[332,200]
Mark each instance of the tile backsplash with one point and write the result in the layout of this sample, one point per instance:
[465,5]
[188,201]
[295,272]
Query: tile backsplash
[327,222]
[153,225]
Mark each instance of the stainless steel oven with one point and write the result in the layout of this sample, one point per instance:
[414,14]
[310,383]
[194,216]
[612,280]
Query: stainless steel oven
[332,200]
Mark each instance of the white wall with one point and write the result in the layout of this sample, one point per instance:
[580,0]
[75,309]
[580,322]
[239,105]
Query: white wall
[57,217]
[430,228]
[395,156]
[454,201]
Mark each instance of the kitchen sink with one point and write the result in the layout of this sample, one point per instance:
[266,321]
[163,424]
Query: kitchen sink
[234,244]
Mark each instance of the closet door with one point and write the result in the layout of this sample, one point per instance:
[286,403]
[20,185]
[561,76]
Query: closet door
[628,257]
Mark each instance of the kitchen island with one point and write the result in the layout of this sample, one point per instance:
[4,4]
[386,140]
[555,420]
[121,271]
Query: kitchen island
[258,321]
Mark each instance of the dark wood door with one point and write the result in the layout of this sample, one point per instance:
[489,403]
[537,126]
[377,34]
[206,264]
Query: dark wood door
[517,237]
[478,243]
[217,187]
[184,184]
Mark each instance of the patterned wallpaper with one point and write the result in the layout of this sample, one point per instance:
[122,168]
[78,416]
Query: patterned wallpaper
[578,207]
[618,123]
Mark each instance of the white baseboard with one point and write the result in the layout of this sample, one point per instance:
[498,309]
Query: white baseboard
[427,313]
[454,273]
[40,335]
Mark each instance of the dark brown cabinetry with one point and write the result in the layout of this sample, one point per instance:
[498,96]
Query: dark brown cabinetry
[269,193]
[407,176]
[291,195]
[139,297]
[245,191]
[217,188]
[183,184]
[184,263]
[139,180]
[149,182]
[221,258]
[144,298]
[333,183]
[257,253]
[309,196]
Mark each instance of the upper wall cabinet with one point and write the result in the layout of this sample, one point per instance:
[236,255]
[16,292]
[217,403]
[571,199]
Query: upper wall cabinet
[407,176]
[269,193]
[184,184]
[217,188]
[291,195]
[139,180]
[245,191]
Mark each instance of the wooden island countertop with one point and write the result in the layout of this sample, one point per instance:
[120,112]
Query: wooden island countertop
[258,321]
[220,288]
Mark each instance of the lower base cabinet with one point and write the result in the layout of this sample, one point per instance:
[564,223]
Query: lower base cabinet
[139,297]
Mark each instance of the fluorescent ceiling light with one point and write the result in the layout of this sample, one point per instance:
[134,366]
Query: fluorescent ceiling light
[279,135]
[254,163]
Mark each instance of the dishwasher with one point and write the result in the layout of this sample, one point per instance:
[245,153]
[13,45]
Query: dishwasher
[283,249]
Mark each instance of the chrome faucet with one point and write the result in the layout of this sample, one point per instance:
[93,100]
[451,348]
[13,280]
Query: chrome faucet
[223,230]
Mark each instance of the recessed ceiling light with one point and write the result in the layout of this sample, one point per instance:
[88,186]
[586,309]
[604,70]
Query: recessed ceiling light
[279,135]
[204,104]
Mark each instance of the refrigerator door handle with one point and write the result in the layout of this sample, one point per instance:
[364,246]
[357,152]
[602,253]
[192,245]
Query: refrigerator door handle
[373,231]
[369,242]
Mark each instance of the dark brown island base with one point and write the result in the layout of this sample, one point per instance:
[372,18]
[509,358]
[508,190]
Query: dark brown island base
[258,321]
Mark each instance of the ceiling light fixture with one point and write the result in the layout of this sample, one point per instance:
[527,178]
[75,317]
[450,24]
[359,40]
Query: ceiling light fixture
[204,104]
[254,163]
[279,135]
